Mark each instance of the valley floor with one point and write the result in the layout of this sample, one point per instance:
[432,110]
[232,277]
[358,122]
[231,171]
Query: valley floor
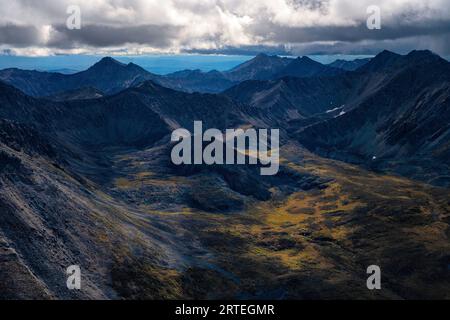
[143,232]
[308,244]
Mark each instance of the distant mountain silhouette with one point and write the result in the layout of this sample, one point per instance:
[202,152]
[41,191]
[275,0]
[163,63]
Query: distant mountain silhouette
[197,81]
[349,65]
[110,76]
[381,62]
[306,67]
[262,67]
[64,71]
[107,75]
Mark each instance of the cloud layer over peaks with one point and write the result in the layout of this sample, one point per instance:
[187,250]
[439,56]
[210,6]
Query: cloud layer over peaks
[223,26]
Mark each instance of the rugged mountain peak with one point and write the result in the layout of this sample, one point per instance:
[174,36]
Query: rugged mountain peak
[136,68]
[261,67]
[133,65]
[385,57]
[307,67]
[262,55]
[422,55]
[107,63]
[303,62]
[381,61]
[387,53]
[306,59]
[349,65]
[387,60]
[261,58]
[428,60]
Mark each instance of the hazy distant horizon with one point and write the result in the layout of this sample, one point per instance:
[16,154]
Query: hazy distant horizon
[159,64]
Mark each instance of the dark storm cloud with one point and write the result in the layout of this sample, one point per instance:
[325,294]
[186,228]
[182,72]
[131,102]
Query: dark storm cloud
[244,50]
[109,36]
[20,36]
[161,36]
[440,44]
[357,33]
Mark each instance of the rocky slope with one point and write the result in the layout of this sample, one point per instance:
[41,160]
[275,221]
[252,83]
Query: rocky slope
[305,67]
[90,182]
[401,126]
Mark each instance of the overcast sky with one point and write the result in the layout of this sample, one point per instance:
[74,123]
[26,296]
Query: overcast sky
[38,27]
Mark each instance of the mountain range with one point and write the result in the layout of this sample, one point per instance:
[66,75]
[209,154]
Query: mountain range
[111,76]
[401,125]
[86,179]
[349,65]
[389,113]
